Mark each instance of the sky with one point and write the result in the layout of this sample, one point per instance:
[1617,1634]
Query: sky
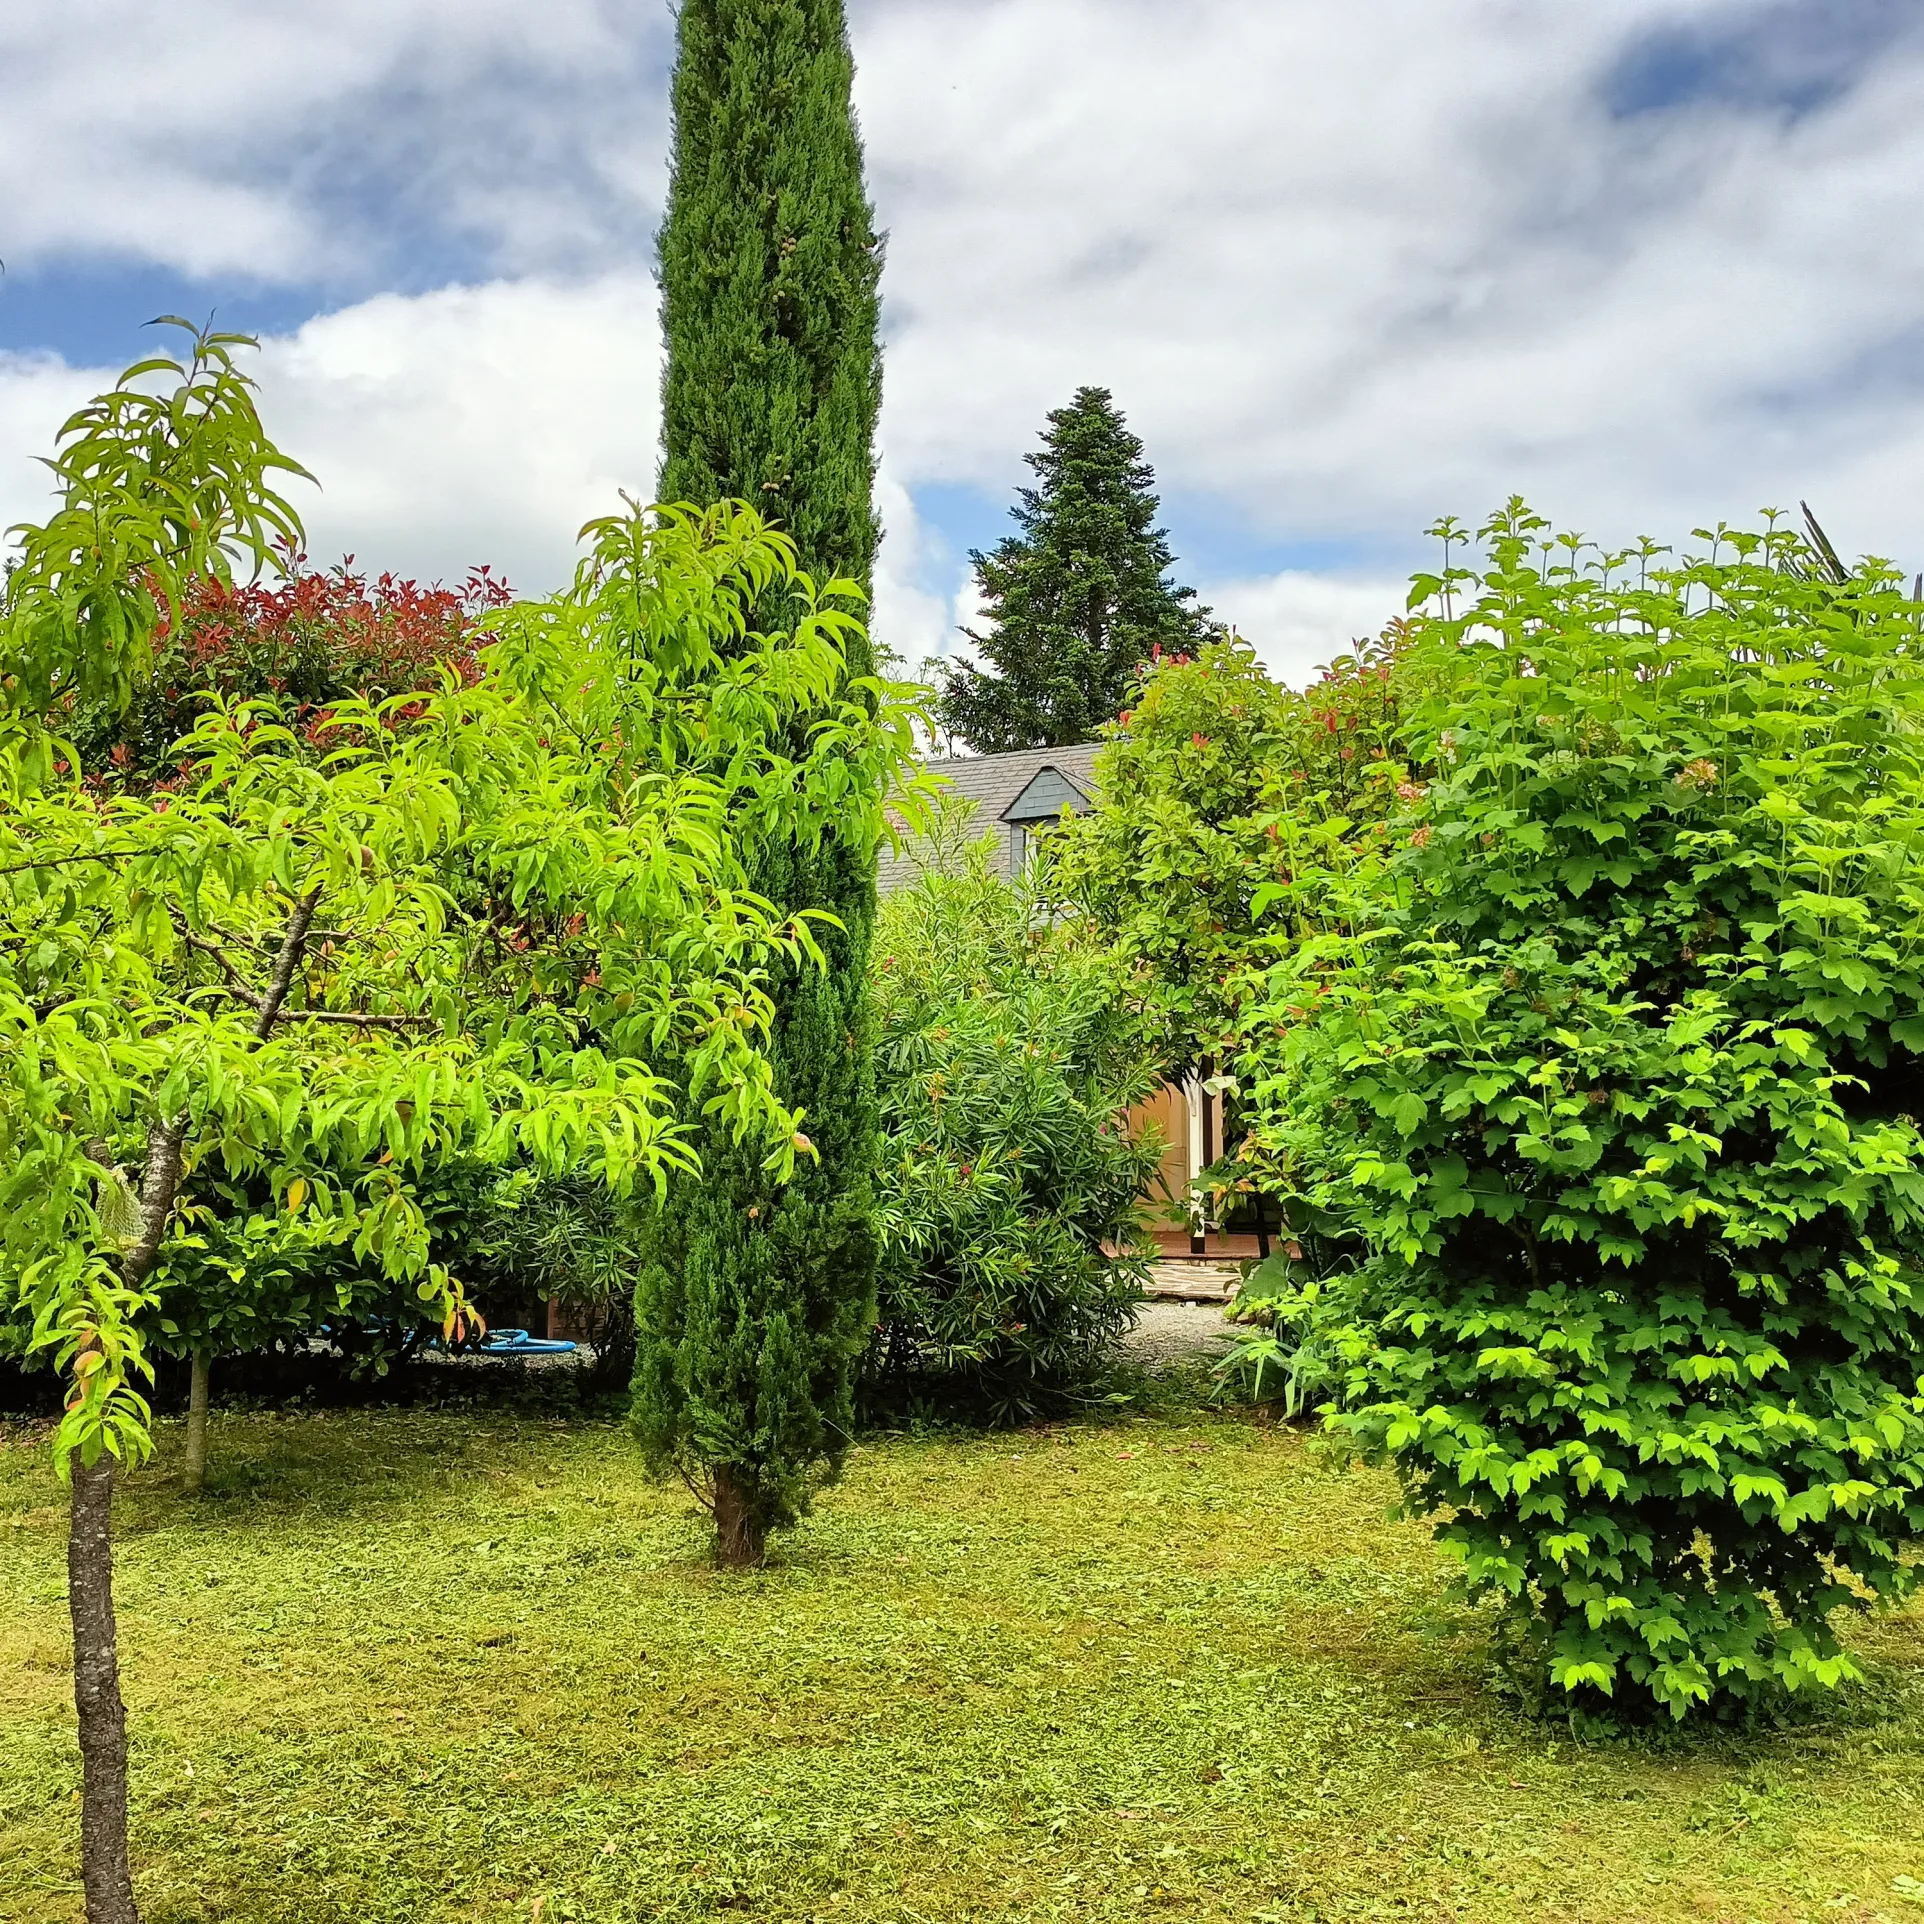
[1651,264]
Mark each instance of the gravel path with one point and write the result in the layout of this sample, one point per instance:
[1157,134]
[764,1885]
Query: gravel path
[1168,1332]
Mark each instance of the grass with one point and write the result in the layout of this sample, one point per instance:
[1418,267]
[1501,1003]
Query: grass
[402,1667]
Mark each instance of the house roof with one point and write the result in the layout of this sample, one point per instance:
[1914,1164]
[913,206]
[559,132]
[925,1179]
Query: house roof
[1047,794]
[996,782]
[1009,791]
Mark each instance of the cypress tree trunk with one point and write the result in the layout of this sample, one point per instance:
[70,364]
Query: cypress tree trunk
[194,1469]
[756,1300]
[741,1541]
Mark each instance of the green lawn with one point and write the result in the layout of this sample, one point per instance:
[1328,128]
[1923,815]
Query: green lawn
[421,1666]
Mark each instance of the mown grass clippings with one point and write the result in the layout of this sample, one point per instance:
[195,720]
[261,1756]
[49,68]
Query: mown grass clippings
[407,1667]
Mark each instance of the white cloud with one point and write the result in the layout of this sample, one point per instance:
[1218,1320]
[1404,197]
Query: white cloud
[909,617]
[37,393]
[1344,267]
[1298,621]
[299,143]
[1353,266]
[475,424]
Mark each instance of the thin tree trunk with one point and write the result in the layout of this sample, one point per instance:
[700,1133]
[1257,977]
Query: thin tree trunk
[105,1868]
[105,1872]
[194,1471]
[741,1538]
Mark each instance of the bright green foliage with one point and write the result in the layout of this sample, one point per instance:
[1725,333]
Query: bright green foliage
[1077,602]
[770,271]
[1202,791]
[757,1296]
[475,933]
[1008,1053]
[157,491]
[1612,1064]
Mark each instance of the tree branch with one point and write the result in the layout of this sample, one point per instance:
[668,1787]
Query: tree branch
[356,1019]
[159,1184]
[64,861]
[236,982]
[160,1181]
[238,987]
[292,948]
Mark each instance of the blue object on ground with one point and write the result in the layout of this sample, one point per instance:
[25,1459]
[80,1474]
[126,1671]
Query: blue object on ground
[517,1342]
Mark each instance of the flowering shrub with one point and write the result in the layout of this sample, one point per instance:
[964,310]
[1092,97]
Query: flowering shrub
[1608,1062]
[1007,1053]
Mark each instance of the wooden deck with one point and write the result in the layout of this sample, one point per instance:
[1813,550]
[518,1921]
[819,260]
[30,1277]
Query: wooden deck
[1186,1280]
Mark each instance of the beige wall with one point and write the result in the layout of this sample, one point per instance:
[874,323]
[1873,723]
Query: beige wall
[1168,1111]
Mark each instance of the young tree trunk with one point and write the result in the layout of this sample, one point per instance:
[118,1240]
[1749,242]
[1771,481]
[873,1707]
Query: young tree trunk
[105,1868]
[741,1537]
[105,1872]
[194,1471]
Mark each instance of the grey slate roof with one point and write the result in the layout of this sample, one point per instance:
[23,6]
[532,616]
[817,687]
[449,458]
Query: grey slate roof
[1026,785]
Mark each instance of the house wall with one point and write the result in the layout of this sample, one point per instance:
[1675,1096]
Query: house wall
[1168,1112]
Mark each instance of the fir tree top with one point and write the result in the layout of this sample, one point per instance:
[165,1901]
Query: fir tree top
[1077,600]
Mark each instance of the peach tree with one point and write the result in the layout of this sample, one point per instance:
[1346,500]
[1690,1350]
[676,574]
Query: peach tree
[327,972]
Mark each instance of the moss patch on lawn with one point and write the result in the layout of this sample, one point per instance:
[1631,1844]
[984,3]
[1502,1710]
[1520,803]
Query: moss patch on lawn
[401,1667]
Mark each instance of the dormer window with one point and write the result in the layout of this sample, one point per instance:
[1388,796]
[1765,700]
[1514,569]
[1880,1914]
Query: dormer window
[1043,798]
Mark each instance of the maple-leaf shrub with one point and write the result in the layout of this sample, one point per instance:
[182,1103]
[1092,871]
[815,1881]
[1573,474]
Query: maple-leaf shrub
[1008,1052]
[1610,1066]
[318,637]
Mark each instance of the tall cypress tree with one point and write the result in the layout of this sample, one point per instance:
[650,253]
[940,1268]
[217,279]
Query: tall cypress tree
[1079,597]
[756,1299]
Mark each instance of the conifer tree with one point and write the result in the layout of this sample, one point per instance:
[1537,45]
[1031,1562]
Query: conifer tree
[756,1298]
[1076,600]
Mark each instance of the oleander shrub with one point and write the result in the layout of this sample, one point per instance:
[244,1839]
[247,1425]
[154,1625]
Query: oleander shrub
[1009,1048]
[1608,1065]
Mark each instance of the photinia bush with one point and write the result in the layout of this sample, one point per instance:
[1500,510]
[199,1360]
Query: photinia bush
[308,641]
[1610,1063]
[1204,785]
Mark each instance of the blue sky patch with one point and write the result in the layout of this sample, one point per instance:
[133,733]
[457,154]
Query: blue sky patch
[1790,58]
[92,313]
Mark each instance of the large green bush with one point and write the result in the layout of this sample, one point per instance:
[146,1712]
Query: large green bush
[1611,1063]
[1008,1051]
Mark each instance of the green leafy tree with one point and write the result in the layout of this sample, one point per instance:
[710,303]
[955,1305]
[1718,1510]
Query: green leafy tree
[1010,1050]
[1609,1065]
[1080,600]
[238,1272]
[756,1298]
[1204,786]
[469,936]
